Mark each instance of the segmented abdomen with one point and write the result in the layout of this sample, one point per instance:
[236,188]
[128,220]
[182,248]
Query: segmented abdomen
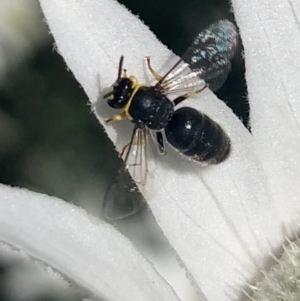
[196,135]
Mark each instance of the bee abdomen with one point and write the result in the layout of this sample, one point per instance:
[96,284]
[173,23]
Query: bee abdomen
[197,136]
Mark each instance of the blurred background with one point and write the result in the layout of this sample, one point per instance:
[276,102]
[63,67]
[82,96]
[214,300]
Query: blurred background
[51,143]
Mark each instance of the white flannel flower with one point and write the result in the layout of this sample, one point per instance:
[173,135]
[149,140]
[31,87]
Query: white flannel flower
[224,221]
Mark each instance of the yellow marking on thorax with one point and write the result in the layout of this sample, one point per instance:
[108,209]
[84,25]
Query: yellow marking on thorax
[136,86]
[125,114]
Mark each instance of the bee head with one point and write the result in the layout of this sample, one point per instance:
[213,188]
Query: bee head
[122,88]
[122,91]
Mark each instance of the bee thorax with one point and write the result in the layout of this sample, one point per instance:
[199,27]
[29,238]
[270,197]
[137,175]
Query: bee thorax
[151,107]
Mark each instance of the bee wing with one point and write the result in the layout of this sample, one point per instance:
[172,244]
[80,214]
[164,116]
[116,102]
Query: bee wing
[181,80]
[207,60]
[211,52]
[124,196]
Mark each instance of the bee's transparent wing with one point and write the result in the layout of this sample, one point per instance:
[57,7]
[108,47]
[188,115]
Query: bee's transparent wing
[124,196]
[181,80]
[207,60]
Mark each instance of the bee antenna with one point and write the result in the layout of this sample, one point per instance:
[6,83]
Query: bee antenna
[120,67]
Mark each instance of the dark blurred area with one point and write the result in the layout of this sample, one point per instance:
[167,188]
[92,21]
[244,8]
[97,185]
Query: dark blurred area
[50,140]
[20,280]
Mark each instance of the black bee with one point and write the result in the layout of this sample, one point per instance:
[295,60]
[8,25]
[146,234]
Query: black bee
[206,63]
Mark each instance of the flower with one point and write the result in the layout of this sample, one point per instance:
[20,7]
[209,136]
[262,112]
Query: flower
[222,221]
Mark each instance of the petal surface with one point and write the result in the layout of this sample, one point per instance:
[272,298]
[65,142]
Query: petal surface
[89,252]
[218,219]
[270,32]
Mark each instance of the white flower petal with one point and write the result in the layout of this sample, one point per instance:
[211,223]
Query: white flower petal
[218,219]
[101,31]
[270,32]
[91,253]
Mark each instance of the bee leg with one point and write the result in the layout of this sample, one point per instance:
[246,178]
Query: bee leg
[154,74]
[181,98]
[161,143]
[129,144]
[121,153]
[117,117]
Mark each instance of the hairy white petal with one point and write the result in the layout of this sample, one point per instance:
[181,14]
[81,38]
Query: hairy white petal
[91,253]
[218,219]
[282,281]
[270,32]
